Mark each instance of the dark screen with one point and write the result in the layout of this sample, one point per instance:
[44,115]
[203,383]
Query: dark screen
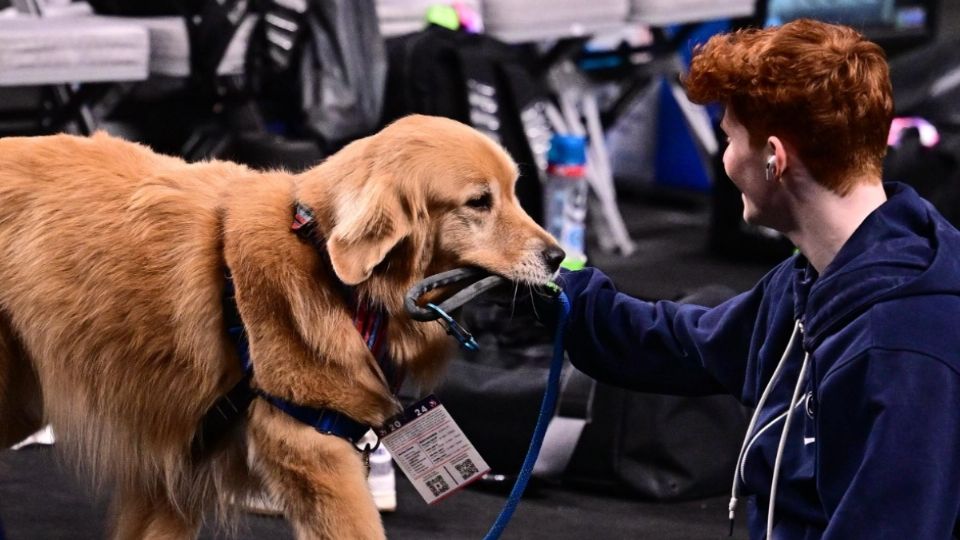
[878,20]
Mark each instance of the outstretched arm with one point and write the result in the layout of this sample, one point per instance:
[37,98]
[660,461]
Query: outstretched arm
[662,347]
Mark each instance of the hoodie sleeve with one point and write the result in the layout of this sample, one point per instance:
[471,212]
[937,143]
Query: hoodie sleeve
[889,454]
[661,347]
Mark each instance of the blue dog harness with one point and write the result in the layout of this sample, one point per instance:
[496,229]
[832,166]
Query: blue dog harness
[226,413]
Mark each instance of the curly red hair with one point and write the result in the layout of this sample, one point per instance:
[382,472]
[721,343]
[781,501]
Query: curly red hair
[822,88]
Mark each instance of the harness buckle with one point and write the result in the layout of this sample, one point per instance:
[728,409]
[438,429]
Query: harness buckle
[366,451]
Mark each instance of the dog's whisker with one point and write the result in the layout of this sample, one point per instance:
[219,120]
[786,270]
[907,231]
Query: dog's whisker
[532,303]
[513,301]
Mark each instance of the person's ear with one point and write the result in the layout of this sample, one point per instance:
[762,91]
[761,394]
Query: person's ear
[776,158]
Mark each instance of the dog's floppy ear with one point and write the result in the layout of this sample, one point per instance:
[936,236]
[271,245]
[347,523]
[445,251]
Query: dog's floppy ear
[369,224]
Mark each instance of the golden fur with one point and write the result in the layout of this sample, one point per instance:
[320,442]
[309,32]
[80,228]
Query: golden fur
[111,325]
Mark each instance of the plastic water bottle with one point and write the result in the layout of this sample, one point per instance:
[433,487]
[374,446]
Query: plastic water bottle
[566,197]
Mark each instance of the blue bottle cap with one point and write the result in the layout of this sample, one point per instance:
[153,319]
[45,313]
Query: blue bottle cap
[567,150]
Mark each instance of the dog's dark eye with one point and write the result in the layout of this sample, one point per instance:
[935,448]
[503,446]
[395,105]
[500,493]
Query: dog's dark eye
[481,202]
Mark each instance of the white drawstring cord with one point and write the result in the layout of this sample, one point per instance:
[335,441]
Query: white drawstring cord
[783,442]
[734,490]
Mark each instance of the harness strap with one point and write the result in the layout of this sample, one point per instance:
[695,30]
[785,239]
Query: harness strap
[326,421]
[229,409]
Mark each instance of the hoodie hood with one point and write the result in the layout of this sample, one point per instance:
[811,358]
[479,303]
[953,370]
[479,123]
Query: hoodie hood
[899,250]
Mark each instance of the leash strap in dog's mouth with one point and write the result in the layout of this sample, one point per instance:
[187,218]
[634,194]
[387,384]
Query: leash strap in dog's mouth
[482,282]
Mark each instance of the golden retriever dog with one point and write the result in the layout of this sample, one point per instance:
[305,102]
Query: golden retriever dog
[112,327]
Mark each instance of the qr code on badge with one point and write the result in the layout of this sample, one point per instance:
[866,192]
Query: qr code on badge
[438,486]
[466,468]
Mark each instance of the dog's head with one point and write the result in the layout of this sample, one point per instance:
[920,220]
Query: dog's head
[423,195]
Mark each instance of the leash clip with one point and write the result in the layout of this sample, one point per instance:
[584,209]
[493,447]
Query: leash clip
[465,338]
[365,454]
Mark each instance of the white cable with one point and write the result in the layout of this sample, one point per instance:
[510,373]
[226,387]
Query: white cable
[735,488]
[557,122]
[570,109]
[783,442]
[603,176]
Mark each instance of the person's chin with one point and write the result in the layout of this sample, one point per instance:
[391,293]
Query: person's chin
[756,220]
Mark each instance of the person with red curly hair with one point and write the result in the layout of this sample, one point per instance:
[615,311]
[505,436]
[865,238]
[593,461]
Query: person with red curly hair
[848,351]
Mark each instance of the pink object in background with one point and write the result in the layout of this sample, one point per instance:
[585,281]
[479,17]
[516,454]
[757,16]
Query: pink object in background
[470,19]
[929,136]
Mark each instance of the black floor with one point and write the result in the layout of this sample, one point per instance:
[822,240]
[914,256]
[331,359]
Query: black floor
[40,501]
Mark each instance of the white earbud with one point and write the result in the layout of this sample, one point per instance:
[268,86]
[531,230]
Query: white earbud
[771,165]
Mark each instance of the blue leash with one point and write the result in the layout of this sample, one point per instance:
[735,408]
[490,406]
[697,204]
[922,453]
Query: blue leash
[547,408]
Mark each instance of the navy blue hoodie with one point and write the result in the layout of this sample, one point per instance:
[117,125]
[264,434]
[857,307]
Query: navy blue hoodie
[873,448]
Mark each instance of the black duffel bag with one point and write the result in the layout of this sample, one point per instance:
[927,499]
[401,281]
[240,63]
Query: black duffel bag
[647,445]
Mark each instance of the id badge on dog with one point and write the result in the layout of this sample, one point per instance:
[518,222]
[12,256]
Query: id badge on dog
[432,450]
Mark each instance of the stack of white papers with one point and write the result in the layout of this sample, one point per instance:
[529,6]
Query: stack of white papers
[538,20]
[667,12]
[170,45]
[63,50]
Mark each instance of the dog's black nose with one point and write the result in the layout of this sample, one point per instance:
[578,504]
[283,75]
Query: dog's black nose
[553,256]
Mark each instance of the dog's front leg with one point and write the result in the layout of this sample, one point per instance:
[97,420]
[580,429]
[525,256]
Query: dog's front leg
[144,515]
[318,479]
